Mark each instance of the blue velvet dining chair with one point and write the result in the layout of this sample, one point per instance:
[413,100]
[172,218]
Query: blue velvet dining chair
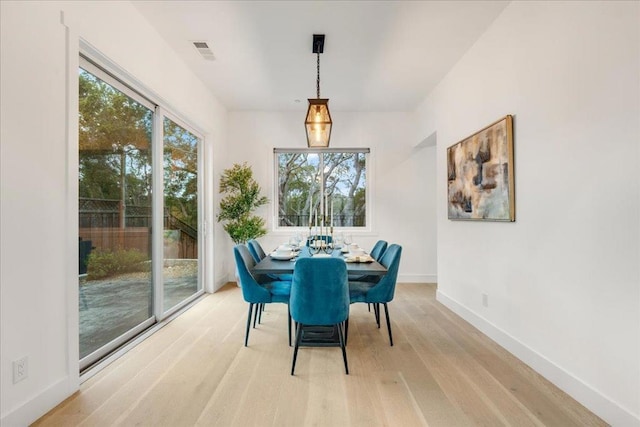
[383,291]
[376,253]
[378,250]
[256,250]
[259,254]
[256,293]
[320,297]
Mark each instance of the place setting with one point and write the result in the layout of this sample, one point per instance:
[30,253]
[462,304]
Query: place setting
[354,253]
[288,251]
[283,253]
[351,251]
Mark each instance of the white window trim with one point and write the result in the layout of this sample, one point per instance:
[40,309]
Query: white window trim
[367,230]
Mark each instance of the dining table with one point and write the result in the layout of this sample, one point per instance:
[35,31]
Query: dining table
[317,335]
[271,265]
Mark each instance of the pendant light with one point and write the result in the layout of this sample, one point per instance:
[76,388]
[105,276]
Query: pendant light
[318,122]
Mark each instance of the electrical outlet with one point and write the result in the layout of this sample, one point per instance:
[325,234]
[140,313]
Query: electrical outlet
[20,369]
[485,300]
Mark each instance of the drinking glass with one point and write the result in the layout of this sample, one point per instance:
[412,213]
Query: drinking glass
[338,240]
[293,242]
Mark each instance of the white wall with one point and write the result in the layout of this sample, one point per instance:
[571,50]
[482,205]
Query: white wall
[38,293]
[563,280]
[402,188]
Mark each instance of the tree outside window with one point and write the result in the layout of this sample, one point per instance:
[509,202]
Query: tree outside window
[306,177]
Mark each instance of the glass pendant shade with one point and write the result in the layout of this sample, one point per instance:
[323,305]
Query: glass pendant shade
[318,123]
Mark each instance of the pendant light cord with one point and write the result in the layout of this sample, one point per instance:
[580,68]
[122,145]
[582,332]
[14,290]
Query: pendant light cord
[318,79]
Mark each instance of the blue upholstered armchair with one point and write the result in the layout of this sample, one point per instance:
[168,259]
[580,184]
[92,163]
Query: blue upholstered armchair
[383,291]
[257,294]
[319,297]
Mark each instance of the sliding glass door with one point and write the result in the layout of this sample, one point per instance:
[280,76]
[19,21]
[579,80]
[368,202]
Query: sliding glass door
[180,233]
[130,276]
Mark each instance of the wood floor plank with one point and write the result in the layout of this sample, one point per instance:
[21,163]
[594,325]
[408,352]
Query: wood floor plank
[434,404]
[440,372]
[442,350]
[97,390]
[549,404]
[362,392]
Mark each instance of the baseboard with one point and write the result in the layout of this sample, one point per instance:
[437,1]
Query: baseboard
[592,399]
[43,402]
[221,282]
[417,278]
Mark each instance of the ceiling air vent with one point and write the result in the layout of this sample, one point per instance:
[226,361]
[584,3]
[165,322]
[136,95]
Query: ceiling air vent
[203,49]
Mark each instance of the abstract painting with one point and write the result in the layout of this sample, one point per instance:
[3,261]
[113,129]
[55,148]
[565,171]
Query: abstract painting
[480,174]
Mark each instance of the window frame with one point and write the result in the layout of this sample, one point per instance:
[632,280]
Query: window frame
[276,227]
[106,70]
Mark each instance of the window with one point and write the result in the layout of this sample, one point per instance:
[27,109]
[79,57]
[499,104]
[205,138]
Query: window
[312,180]
[131,276]
[180,245]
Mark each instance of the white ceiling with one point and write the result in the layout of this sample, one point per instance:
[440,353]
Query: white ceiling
[378,55]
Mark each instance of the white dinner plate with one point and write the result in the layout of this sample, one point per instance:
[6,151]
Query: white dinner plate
[286,257]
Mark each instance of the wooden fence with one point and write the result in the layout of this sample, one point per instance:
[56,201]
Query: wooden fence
[100,224]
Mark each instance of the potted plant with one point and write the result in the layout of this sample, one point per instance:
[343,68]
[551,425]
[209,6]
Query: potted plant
[241,196]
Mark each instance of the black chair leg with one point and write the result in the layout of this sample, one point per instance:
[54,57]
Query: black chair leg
[376,310]
[289,323]
[295,350]
[346,331]
[255,314]
[260,310]
[246,335]
[386,312]
[369,307]
[344,350]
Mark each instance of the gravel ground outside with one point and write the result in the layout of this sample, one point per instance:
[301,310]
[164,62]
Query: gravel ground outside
[109,307]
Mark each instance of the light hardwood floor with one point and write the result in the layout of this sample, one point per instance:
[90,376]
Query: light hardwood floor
[440,372]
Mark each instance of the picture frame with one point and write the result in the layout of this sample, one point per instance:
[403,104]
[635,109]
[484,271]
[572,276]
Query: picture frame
[480,175]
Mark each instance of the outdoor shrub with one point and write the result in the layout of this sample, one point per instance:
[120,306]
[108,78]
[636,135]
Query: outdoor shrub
[105,263]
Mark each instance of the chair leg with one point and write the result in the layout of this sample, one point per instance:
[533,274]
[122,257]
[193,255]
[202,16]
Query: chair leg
[246,335]
[369,307]
[386,312]
[255,315]
[342,346]
[295,350]
[260,310]
[289,323]
[376,310]
[346,331]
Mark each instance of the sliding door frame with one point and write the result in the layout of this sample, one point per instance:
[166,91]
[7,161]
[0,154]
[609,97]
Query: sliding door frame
[94,62]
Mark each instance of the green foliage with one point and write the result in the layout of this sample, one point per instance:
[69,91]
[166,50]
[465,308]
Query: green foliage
[300,176]
[115,134]
[241,198]
[181,173]
[114,143]
[105,263]
[243,230]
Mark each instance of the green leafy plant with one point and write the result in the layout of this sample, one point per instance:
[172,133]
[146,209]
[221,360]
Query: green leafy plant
[105,263]
[241,197]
